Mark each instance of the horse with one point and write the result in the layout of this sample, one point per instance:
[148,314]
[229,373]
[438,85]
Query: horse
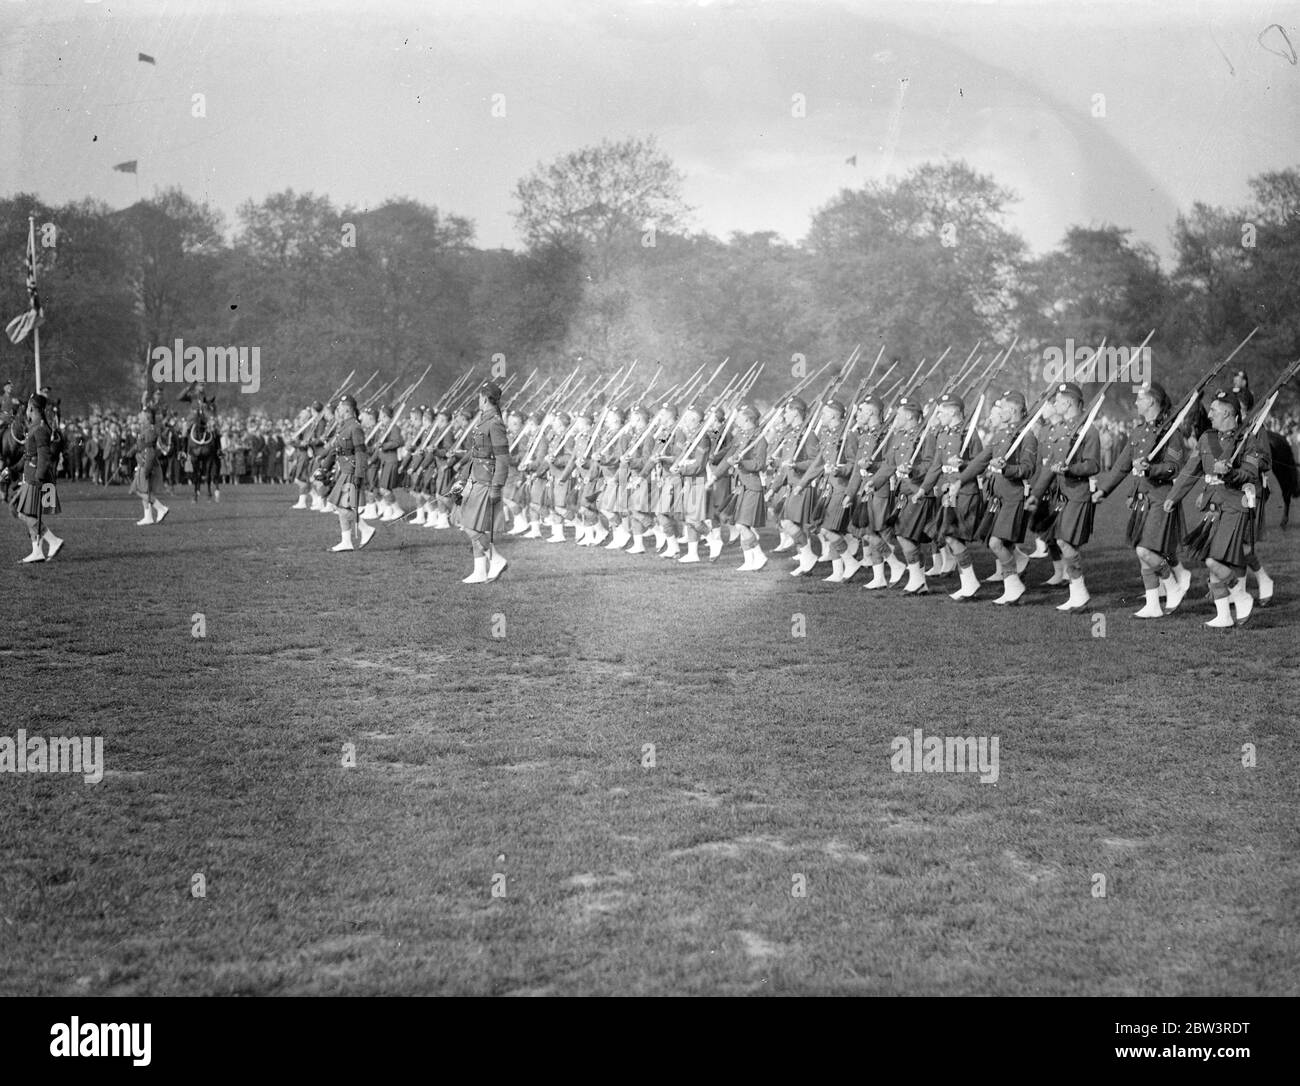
[203,444]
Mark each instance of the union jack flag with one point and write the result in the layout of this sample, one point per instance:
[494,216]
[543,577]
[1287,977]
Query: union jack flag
[18,328]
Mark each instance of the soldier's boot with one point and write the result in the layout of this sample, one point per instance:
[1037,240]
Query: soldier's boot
[317,506]
[146,519]
[851,566]
[1152,608]
[159,511]
[734,533]
[53,544]
[557,532]
[936,565]
[345,544]
[480,573]
[1040,549]
[714,541]
[301,503]
[365,531]
[1223,614]
[748,563]
[837,571]
[1174,591]
[638,543]
[1242,601]
[421,515]
[216,493]
[896,569]
[996,575]
[661,540]
[949,561]
[760,559]
[786,543]
[916,585]
[878,578]
[852,546]
[619,539]
[970,584]
[807,559]
[581,536]
[600,534]
[496,564]
[674,549]
[1012,589]
[692,552]
[1058,573]
[534,530]
[1078,596]
[827,555]
[330,507]
[37,554]
[1265,586]
[1022,561]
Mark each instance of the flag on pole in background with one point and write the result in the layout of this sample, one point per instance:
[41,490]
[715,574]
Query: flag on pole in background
[18,328]
[126,167]
[145,58]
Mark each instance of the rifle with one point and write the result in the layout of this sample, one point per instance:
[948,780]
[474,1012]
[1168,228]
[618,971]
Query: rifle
[1194,396]
[1097,402]
[963,371]
[1261,413]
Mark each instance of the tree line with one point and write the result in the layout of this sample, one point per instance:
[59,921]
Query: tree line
[610,270]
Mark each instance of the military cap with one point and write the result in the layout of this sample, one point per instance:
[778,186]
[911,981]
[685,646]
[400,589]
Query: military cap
[1157,393]
[951,399]
[350,401]
[38,401]
[798,404]
[750,412]
[1069,388]
[491,390]
[906,402]
[316,405]
[874,401]
[836,406]
[1015,397]
[563,418]
[1230,398]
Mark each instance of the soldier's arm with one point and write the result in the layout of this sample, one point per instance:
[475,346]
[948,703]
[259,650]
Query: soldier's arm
[1188,474]
[501,450]
[1107,481]
[976,465]
[1088,459]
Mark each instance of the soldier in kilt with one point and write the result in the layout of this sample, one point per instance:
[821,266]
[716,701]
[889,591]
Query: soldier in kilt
[613,496]
[587,480]
[487,451]
[692,469]
[956,464]
[347,449]
[1226,534]
[870,521]
[797,514]
[304,447]
[1009,472]
[1151,532]
[748,456]
[514,495]
[559,463]
[533,466]
[1063,481]
[638,509]
[914,507]
[838,473]
[37,497]
[148,471]
[666,488]
[386,482]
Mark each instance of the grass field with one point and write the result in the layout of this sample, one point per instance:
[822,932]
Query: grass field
[518,761]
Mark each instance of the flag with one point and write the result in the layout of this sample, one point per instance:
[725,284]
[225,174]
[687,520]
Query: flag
[126,167]
[18,328]
[145,58]
[853,161]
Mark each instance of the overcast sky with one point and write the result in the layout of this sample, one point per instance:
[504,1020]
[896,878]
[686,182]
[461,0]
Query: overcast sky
[363,100]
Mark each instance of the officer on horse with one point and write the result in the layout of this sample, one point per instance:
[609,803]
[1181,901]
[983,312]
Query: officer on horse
[203,440]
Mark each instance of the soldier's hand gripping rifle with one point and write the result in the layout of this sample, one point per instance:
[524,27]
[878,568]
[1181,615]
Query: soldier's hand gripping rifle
[1193,398]
[1257,420]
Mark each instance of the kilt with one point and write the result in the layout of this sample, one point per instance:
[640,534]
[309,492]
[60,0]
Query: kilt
[913,518]
[1074,521]
[1151,527]
[344,491]
[835,518]
[798,508]
[301,466]
[148,474]
[872,511]
[1003,520]
[539,492]
[478,512]
[590,493]
[387,475]
[562,494]
[751,509]
[1225,535]
[36,500]
[443,480]
[514,490]
[720,496]
[667,501]
[636,495]
[695,499]
[962,520]
[612,497]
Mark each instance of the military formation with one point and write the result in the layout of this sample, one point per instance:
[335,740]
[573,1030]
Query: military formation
[888,483]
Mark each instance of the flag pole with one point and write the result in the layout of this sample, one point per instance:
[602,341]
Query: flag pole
[36,327]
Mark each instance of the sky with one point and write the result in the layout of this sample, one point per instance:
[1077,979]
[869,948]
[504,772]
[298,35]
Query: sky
[760,104]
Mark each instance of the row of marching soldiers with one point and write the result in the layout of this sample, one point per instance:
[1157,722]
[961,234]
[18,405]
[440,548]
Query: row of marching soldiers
[902,501]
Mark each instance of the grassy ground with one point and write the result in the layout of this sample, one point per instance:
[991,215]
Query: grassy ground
[518,761]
